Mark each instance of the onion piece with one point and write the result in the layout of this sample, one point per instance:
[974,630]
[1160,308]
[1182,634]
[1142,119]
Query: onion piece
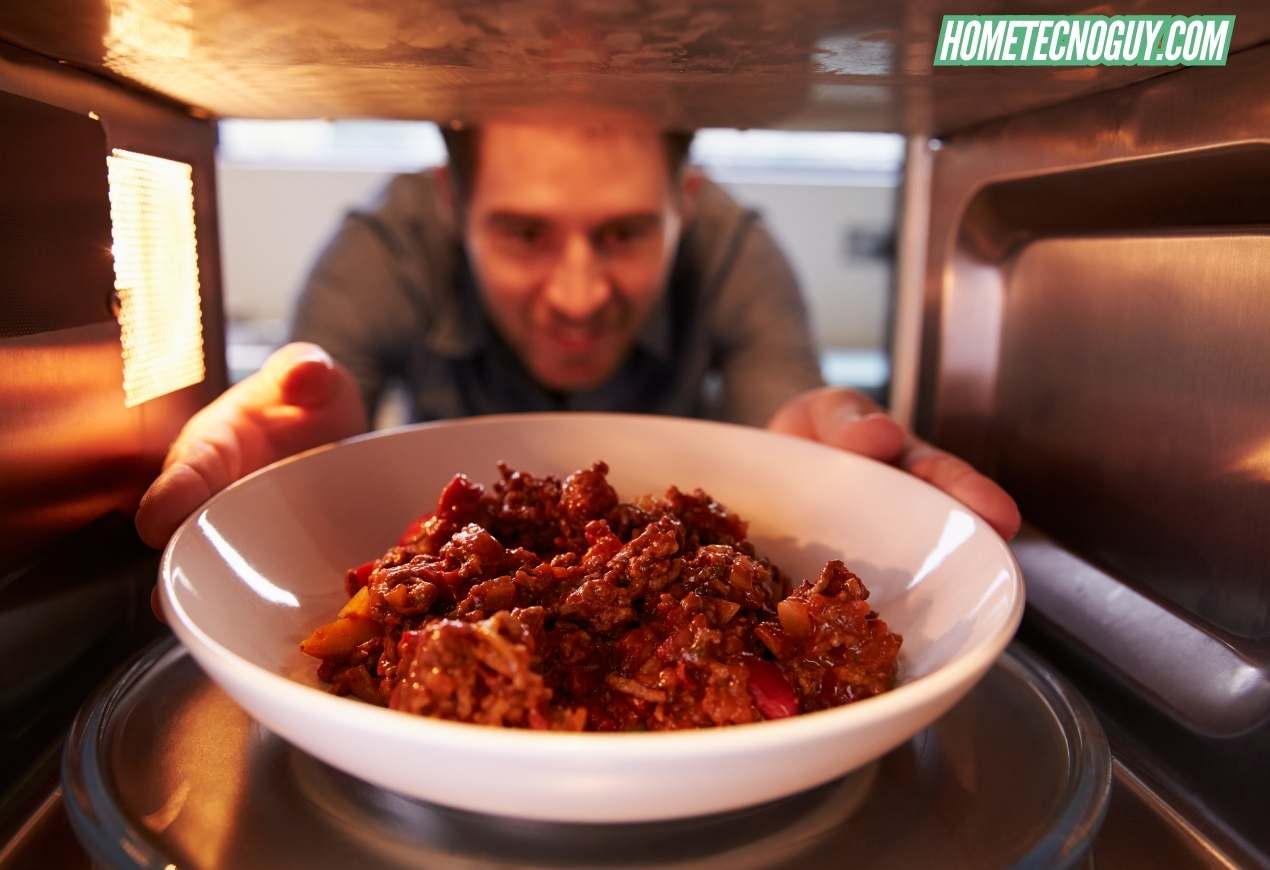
[794,617]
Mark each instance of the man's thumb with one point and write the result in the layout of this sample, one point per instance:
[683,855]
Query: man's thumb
[304,374]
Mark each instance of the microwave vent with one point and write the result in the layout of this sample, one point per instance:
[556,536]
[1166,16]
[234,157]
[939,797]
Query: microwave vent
[156,274]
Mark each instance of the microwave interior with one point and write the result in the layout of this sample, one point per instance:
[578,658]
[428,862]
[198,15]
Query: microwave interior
[1079,307]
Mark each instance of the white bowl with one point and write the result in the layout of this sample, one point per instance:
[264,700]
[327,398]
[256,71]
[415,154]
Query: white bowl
[261,564]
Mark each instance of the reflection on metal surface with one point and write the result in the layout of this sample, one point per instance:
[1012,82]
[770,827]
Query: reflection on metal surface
[853,55]
[154,29]
[828,64]
[1252,461]
[1132,371]
[909,275]
[1018,774]
[160,28]
[156,274]
[1138,816]
[41,840]
[54,219]
[68,450]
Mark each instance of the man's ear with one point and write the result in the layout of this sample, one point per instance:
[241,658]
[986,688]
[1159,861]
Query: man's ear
[446,197]
[691,182]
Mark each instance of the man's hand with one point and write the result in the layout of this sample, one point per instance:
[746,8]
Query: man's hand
[299,399]
[851,421]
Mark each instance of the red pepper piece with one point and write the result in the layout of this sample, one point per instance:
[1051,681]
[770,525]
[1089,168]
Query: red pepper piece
[362,573]
[412,530]
[358,577]
[459,500]
[771,691]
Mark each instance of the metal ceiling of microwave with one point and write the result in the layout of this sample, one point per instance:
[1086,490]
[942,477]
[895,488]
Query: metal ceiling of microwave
[806,64]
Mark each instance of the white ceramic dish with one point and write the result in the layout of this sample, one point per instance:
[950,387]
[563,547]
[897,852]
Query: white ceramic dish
[261,564]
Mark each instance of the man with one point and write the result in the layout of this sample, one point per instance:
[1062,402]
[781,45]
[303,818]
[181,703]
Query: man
[558,263]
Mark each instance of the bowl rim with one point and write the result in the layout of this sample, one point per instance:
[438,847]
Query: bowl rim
[331,710]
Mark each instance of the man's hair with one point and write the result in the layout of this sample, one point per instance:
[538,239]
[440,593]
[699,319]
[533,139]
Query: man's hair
[462,144]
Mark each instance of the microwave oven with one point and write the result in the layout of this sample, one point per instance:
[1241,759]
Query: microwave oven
[1080,309]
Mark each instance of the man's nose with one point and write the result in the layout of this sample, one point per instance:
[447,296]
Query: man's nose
[577,288]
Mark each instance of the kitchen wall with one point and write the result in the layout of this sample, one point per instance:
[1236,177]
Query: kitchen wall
[835,221]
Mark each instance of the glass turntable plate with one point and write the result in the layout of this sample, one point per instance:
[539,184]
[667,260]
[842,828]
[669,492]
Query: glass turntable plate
[163,769]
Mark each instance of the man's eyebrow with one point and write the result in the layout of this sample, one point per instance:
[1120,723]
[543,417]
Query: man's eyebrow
[635,219]
[516,221]
[509,217]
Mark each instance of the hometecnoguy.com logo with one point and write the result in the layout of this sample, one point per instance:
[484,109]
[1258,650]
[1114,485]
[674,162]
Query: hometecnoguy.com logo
[1084,40]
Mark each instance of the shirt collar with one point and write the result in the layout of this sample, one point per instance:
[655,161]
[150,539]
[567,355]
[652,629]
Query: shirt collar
[655,336]
[458,326]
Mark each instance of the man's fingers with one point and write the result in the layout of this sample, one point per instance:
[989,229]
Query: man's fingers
[852,421]
[874,434]
[299,399]
[304,375]
[169,500]
[317,402]
[959,479]
[206,458]
[844,419]
[214,451]
[309,384]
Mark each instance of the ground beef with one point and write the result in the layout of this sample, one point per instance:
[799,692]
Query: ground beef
[545,604]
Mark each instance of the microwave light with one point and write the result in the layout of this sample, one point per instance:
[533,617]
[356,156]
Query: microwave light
[156,274]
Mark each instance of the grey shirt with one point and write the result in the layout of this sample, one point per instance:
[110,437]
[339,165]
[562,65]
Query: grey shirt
[392,298]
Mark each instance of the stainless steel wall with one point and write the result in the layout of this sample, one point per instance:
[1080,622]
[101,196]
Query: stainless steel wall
[74,579]
[1095,310]
[70,452]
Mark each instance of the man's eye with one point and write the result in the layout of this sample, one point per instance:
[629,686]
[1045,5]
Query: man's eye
[622,235]
[525,234]
[521,234]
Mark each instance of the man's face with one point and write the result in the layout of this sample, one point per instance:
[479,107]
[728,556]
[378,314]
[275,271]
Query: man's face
[571,230]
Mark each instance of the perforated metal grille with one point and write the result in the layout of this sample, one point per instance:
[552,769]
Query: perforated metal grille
[156,274]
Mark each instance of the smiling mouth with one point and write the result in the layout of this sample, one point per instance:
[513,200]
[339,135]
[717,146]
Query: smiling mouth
[578,339]
[575,341]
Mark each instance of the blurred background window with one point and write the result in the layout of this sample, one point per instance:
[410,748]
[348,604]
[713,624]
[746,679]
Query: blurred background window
[828,198]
